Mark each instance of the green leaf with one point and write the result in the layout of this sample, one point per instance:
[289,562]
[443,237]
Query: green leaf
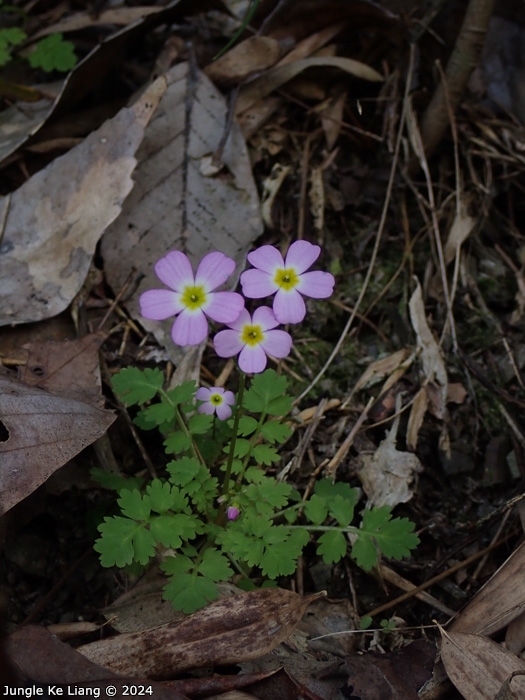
[176,442]
[340,509]
[134,505]
[275,431]
[115,482]
[183,470]
[53,53]
[378,533]
[159,413]
[328,490]
[266,394]
[242,447]
[247,425]
[265,454]
[269,491]
[200,423]
[215,566]
[190,592]
[283,549]
[124,541]
[163,530]
[332,546]
[161,498]
[183,393]
[316,509]
[12,36]
[134,386]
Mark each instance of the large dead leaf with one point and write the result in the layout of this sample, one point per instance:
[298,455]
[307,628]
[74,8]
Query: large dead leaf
[55,220]
[499,601]
[238,628]
[43,658]
[42,432]
[174,205]
[478,667]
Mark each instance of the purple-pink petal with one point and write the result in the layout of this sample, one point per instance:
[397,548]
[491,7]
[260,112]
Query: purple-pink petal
[175,270]
[317,284]
[207,408]
[190,328]
[227,343]
[159,304]
[242,319]
[266,258]
[223,411]
[252,359]
[257,284]
[289,307]
[301,255]
[264,317]
[277,343]
[224,307]
[214,269]
[233,513]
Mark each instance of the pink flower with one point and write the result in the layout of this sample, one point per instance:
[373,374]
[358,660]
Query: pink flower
[191,297]
[233,513]
[287,279]
[253,338]
[216,400]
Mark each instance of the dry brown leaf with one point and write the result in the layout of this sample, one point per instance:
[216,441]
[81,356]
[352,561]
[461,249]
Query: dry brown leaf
[44,432]
[69,368]
[257,53]
[515,635]
[56,218]
[387,474]
[378,370]
[317,198]
[430,353]
[478,666]
[238,628]
[415,419]
[173,205]
[332,116]
[120,16]
[499,601]
[459,232]
[280,75]
[271,186]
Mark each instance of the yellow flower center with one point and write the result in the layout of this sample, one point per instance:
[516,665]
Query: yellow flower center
[193,297]
[216,399]
[286,279]
[252,335]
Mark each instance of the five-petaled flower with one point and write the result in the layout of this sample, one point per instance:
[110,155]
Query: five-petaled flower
[233,513]
[191,297]
[216,400]
[253,337]
[287,279]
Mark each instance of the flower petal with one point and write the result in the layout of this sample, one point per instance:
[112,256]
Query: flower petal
[227,343]
[301,255]
[264,316]
[203,394]
[252,359]
[257,284]
[175,270]
[159,304]
[242,319]
[206,408]
[277,343]
[214,269]
[223,411]
[229,397]
[266,258]
[190,328]
[318,285]
[224,307]
[289,307]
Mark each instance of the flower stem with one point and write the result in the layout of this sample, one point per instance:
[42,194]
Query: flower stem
[235,428]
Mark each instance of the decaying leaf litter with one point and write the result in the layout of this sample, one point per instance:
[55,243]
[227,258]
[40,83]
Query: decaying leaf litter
[424,388]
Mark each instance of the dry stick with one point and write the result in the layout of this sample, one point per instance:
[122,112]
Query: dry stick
[462,62]
[435,579]
[379,236]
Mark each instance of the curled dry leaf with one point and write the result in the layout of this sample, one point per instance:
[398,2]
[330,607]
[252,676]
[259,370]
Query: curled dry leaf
[478,666]
[56,218]
[238,628]
[257,53]
[44,431]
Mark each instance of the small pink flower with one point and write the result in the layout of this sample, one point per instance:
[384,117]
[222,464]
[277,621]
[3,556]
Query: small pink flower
[287,279]
[191,297]
[253,338]
[233,513]
[216,400]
